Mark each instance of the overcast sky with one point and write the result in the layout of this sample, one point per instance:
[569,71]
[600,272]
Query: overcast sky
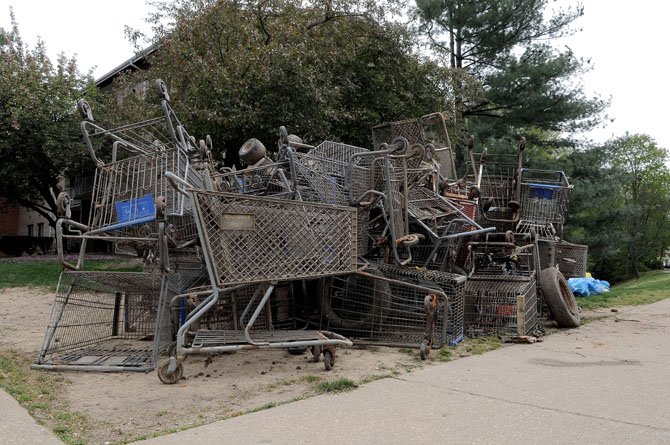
[623,39]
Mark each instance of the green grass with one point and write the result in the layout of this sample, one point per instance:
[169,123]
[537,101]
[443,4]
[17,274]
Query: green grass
[46,273]
[40,392]
[334,386]
[445,354]
[649,288]
[480,345]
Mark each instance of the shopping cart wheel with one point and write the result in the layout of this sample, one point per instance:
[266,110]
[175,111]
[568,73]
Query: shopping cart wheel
[316,353]
[167,377]
[328,359]
[559,298]
[424,350]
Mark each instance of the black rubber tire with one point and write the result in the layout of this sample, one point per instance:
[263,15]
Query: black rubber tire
[559,298]
[169,379]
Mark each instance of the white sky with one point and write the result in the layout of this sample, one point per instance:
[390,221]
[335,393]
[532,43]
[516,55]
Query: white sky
[623,39]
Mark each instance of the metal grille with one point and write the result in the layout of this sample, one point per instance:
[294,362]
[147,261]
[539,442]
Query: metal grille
[572,259]
[431,209]
[124,194]
[253,239]
[544,196]
[336,151]
[375,311]
[497,305]
[451,284]
[320,179]
[103,319]
[410,129]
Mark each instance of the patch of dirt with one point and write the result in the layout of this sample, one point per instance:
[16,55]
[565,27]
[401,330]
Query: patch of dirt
[124,406]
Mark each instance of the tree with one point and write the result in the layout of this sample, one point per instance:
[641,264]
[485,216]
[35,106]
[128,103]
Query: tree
[323,69]
[510,76]
[39,136]
[644,177]
[621,204]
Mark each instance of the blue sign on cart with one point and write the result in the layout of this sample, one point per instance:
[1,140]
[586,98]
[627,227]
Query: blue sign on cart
[136,210]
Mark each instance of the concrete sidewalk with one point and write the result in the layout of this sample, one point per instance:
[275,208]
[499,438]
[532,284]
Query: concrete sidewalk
[605,383]
[18,428]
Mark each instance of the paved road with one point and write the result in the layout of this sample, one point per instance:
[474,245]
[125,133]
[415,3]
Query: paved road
[605,383]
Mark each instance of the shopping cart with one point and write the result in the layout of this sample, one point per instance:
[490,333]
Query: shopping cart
[261,241]
[392,305]
[501,291]
[130,192]
[430,131]
[544,197]
[105,321]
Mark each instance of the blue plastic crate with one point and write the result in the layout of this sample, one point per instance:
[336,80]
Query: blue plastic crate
[135,211]
[542,191]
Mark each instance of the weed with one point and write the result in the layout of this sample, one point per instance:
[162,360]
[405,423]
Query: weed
[481,345]
[334,386]
[310,378]
[375,377]
[444,355]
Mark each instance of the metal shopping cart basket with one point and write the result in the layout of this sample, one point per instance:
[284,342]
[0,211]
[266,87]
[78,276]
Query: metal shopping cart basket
[262,241]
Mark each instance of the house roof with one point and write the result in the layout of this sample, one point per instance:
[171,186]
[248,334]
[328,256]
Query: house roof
[138,61]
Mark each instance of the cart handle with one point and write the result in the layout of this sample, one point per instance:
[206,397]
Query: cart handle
[178,183]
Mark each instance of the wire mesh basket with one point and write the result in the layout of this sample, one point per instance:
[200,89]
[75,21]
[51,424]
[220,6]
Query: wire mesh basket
[103,321]
[373,310]
[544,196]
[251,239]
[500,305]
[127,193]
[572,259]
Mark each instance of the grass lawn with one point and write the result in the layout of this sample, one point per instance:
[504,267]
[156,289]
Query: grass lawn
[649,288]
[46,273]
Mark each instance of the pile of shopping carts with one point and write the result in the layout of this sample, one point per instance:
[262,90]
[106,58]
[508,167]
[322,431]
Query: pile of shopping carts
[317,247]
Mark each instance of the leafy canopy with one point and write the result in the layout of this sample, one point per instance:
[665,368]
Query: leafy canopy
[39,135]
[323,69]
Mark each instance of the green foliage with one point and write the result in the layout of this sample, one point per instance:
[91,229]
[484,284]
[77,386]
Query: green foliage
[649,288]
[620,206]
[39,137]
[523,82]
[241,69]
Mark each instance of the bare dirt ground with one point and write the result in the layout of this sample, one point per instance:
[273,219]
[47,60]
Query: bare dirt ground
[124,406]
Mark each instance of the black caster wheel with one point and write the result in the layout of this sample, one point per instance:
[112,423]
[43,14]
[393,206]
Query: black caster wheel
[167,377]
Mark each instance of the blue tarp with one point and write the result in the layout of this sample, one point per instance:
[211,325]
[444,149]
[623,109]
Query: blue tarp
[584,287]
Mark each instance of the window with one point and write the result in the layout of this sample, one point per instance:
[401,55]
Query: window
[30,230]
[40,229]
